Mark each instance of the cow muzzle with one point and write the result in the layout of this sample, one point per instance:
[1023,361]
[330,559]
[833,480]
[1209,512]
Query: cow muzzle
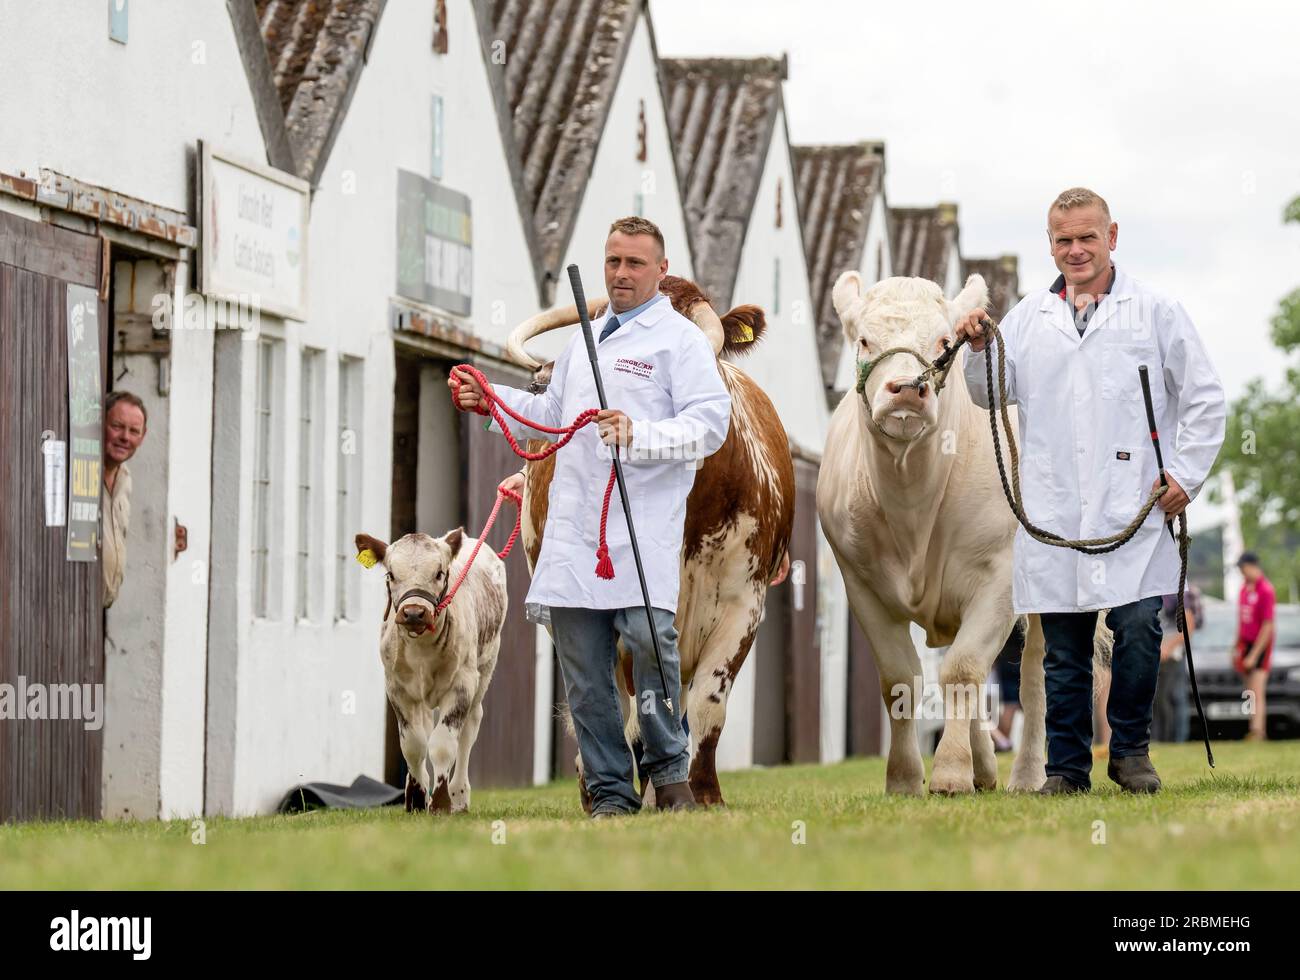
[415,619]
[415,611]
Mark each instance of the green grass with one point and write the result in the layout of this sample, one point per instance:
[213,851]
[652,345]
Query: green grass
[1235,827]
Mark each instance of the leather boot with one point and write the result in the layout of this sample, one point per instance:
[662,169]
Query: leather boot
[675,796]
[1060,786]
[1134,773]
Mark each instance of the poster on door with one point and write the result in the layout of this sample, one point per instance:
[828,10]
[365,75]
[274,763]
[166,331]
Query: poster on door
[85,424]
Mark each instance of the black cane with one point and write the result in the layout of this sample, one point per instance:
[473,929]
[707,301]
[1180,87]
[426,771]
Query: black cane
[580,297]
[1155,436]
[1182,613]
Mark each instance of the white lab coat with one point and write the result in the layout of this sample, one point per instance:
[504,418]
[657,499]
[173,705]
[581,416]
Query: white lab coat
[660,370]
[1086,459]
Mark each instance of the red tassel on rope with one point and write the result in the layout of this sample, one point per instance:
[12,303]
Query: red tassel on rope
[604,565]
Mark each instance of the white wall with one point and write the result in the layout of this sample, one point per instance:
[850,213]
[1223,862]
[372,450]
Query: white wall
[877,238]
[121,116]
[126,117]
[953,282]
[785,363]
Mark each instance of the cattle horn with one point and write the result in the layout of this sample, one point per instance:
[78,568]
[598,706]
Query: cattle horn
[704,317]
[552,319]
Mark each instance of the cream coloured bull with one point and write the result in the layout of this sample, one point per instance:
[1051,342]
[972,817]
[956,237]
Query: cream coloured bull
[910,501]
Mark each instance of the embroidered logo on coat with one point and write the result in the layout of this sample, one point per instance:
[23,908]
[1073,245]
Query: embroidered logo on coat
[630,365]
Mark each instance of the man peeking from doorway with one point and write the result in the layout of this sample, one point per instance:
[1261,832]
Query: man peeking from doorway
[125,423]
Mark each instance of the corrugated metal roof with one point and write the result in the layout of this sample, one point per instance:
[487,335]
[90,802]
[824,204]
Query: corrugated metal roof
[316,50]
[721,115]
[1002,275]
[836,187]
[921,240]
[553,90]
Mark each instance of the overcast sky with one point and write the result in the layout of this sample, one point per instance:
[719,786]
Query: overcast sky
[1186,118]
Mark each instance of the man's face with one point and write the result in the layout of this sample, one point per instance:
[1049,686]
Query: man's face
[123,432]
[634,267]
[1081,243]
[1250,572]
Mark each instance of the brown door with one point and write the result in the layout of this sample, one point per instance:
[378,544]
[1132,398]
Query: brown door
[51,618]
[803,660]
[865,707]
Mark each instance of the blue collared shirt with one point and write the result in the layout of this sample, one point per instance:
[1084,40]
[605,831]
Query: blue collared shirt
[616,320]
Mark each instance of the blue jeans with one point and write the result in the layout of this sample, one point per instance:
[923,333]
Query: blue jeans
[1068,666]
[584,643]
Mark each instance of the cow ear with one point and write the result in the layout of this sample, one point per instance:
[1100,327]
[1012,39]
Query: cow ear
[370,550]
[454,540]
[846,292]
[974,295]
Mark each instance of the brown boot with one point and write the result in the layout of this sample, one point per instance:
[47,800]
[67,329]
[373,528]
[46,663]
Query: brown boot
[1060,786]
[1134,773]
[675,796]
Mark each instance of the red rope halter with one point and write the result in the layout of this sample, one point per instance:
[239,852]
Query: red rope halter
[502,494]
[494,407]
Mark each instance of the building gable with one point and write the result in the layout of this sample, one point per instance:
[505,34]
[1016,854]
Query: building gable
[553,78]
[721,113]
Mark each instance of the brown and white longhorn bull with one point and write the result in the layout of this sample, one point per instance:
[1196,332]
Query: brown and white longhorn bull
[739,517]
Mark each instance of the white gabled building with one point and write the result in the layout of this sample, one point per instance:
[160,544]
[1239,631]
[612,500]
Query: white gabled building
[525,136]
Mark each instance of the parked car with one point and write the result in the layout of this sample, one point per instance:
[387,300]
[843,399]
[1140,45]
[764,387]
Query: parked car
[1213,647]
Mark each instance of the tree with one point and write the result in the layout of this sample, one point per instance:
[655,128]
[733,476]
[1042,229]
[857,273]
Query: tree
[1262,451]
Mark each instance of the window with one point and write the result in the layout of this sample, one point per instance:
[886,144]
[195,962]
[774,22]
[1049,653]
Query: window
[310,454]
[266,477]
[348,504]
[776,285]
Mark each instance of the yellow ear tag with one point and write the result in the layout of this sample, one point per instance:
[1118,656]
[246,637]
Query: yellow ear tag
[746,333]
[367,558]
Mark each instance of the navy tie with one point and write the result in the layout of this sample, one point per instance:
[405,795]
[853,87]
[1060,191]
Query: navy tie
[610,326]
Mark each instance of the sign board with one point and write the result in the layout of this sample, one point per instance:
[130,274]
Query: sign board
[85,424]
[434,244]
[253,222]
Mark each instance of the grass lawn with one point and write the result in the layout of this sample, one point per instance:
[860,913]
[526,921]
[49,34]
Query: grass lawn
[1235,827]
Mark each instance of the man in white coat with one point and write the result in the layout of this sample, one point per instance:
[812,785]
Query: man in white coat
[674,411]
[1087,466]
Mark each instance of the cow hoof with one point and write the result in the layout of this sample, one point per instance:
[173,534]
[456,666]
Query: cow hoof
[951,786]
[1025,785]
[440,799]
[708,798]
[904,787]
[1027,782]
[415,798]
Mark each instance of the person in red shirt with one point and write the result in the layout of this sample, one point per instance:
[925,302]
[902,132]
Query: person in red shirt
[1255,630]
